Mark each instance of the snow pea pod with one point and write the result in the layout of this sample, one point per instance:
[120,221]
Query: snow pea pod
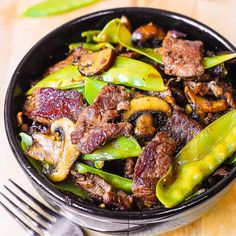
[209,62]
[134,73]
[53,7]
[197,160]
[65,78]
[90,46]
[89,35]
[116,181]
[120,148]
[115,32]
[66,185]
[92,88]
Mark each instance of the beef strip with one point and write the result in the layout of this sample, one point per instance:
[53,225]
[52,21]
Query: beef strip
[181,127]
[48,104]
[151,166]
[69,60]
[181,57]
[129,167]
[94,127]
[99,190]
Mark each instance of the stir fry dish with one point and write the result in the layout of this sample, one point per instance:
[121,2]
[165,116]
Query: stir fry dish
[133,119]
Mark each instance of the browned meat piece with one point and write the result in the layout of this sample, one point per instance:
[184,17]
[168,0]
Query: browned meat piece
[48,104]
[181,57]
[221,172]
[151,166]
[129,167]
[181,127]
[93,128]
[211,117]
[69,60]
[101,191]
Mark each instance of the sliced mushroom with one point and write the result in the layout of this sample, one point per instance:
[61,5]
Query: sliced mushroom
[205,105]
[59,153]
[95,63]
[45,148]
[147,103]
[144,126]
[148,33]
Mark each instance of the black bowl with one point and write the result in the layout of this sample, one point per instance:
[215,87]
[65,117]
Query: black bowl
[51,49]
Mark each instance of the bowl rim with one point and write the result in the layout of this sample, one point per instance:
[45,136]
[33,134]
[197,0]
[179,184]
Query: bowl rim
[56,194]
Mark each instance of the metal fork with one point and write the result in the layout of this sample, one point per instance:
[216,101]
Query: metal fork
[36,223]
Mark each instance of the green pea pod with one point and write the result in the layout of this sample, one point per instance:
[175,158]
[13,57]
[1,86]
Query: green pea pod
[66,185]
[115,32]
[90,46]
[124,38]
[109,32]
[120,148]
[232,161]
[65,78]
[92,88]
[209,62]
[54,7]
[89,35]
[134,73]
[116,181]
[197,160]
[69,186]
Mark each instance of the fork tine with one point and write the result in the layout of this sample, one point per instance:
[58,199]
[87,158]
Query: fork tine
[25,214]
[37,202]
[38,214]
[21,222]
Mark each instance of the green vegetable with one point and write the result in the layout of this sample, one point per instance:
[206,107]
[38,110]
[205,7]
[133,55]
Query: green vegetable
[120,148]
[116,181]
[26,140]
[66,185]
[197,160]
[134,73]
[232,161]
[90,46]
[209,62]
[99,164]
[115,32]
[65,78]
[54,7]
[92,88]
[89,35]
[69,186]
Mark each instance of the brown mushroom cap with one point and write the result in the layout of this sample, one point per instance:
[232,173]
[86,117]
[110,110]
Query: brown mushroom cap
[206,105]
[147,103]
[95,63]
[144,126]
[146,32]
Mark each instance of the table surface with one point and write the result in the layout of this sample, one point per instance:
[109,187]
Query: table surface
[18,35]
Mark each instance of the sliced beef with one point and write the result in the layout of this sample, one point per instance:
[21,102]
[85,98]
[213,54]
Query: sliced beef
[151,166]
[94,126]
[181,57]
[181,127]
[69,60]
[129,167]
[99,190]
[48,104]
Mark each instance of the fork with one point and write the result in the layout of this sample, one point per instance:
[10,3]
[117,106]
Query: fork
[36,223]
